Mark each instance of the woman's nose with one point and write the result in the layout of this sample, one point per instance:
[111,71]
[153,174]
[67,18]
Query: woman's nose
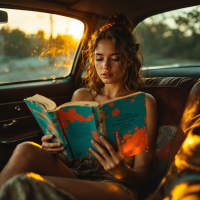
[106,65]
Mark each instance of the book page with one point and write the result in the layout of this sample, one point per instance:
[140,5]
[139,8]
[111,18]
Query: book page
[46,102]
[129,116]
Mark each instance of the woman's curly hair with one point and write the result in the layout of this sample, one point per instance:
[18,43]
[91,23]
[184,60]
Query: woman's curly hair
[119,30]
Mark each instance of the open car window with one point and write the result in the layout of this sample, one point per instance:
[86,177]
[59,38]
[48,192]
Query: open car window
[36,45]
[171,39]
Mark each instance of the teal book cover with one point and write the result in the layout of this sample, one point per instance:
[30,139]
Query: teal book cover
[49,124]
[79,127]
[128,115]
[77,123]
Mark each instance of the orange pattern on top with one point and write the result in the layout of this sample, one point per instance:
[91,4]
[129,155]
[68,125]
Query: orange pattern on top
[94,134]
[111,104]
[89,154]
[136,143]
[43,112]
[72,116]
[145,119]
[132,100]
[65,125]
[30,109]
[52,124]
[115,112]
[103,114]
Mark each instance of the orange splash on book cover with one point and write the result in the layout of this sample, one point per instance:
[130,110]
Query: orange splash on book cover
[52,124]
[132,100]
[65,124]
[136,143]
[72,116]
[115,112]
[145,119]
[89,154]
[111,104]
[43,112]
[94,134]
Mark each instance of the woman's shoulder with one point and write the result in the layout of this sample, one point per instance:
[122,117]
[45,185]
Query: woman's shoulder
[82,94]
[150,100]
[149,97]
[151,104]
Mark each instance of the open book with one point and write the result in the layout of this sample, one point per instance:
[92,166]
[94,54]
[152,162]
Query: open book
[75,124]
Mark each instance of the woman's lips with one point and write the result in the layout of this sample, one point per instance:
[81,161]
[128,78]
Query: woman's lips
[107,75]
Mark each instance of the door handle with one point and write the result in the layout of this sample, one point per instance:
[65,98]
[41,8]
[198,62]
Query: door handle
[10,124]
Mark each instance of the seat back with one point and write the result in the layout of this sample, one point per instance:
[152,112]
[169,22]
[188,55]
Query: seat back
[171,94]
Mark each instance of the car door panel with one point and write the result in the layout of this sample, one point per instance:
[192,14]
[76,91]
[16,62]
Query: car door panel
[12,107]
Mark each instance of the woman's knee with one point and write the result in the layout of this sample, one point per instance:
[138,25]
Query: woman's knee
[26,150]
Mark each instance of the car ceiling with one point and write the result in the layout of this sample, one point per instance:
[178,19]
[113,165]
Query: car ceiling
[137,10]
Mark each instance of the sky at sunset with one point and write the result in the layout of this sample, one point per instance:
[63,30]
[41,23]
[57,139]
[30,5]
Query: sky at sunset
[32,22]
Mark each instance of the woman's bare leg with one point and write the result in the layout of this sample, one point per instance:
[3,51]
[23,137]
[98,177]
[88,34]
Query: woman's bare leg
[30,157]
[82,189]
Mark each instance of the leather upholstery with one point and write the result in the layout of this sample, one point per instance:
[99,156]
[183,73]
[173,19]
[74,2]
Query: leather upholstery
[174,106]
[171,94]
[190,115]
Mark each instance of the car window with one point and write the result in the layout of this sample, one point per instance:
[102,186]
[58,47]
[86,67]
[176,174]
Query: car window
[36,45]
[171,39]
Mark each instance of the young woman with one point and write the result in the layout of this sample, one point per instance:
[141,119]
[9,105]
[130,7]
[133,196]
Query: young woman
[112,70]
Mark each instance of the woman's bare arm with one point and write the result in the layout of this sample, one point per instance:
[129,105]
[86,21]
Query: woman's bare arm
[82,94]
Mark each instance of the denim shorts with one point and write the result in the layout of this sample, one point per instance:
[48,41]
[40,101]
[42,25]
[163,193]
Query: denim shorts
[90,169]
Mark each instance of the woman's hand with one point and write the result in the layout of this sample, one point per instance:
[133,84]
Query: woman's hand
[53,148]
[113,163]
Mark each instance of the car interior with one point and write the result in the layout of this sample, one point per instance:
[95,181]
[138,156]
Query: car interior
[175,85]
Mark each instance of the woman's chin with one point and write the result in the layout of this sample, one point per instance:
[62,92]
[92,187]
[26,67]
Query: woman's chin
[107,81]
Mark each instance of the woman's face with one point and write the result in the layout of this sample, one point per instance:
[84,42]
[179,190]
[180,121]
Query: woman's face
[107,63]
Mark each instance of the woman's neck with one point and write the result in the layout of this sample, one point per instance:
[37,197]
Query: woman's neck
[114,91]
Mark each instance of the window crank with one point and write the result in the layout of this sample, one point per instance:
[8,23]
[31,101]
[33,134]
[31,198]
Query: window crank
[17,108]
[10,124]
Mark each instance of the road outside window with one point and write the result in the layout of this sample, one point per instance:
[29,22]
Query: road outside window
[35,45]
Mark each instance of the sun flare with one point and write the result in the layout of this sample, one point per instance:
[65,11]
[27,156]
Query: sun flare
[76,29]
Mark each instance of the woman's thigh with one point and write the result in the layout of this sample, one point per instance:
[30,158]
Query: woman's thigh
[83,189]
[30,157]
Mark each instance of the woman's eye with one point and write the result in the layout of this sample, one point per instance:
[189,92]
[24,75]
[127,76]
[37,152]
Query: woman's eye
[99,59]
[117,59]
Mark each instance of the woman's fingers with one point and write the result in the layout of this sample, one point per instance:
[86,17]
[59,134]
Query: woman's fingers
[101,150]
[109,147]
[51,147]
[99,158]
[53,144]
[55,150]
[119,142]
[45,138]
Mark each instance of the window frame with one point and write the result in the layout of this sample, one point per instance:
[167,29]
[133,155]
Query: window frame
[58,10]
